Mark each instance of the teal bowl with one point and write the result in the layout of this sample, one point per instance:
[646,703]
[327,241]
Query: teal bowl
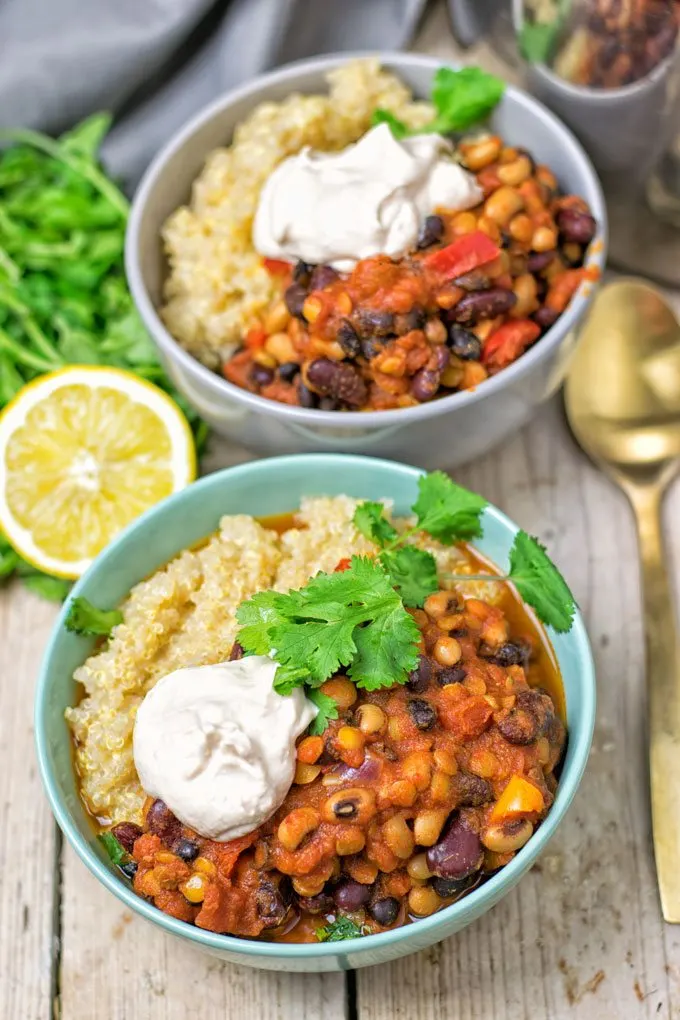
[262,488]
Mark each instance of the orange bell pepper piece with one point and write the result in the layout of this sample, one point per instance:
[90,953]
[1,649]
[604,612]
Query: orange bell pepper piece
[519,799]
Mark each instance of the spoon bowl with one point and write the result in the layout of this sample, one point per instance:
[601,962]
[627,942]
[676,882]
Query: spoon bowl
[622,399]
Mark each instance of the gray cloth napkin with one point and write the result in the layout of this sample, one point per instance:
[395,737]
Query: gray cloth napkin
[154,63]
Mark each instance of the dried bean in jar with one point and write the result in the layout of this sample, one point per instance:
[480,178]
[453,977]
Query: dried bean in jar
[576,226]
[161,821]
[350,895]
[337,379]
[431,231]
[322,276]
[294,299]
[384,911]
[288,371]
[260,375]
[464,344]
[419,678]
[186,849]
[348,338]
[422,713]
[458,853]
[126,833]
[483,304]
[425,384]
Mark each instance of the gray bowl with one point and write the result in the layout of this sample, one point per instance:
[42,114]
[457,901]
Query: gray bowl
[448,431]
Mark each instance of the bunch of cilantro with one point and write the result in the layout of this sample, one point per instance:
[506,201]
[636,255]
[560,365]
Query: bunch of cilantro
[63,295]
[357,619]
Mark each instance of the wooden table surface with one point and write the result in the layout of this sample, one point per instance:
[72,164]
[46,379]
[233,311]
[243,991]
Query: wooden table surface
[582,936]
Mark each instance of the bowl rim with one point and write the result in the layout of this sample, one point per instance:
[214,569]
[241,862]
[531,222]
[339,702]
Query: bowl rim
[480,898]
[256,90]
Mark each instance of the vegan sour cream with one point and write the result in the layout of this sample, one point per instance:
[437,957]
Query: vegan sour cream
[217,744]
[370,198]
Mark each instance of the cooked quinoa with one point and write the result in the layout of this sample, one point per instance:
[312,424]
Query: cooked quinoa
[185,615]
[217,285]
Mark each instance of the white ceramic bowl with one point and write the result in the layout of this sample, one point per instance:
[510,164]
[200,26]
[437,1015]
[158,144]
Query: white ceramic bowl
[448,431]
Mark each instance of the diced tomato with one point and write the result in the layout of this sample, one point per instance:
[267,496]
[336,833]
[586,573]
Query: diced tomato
[344,564]
[519,799]
[277,267]
[506,344]
[463,255]
[254,338]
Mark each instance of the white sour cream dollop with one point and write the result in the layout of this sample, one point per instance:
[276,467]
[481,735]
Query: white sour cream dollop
[370,198]
[217,744]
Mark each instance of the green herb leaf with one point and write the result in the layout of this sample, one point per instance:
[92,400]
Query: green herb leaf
[353,617]
[397,126]
[370,520]
[9,559]
[116,852]
[53,589]
[540,583]
[447,511]
[536,41]
[86,137]
[84,618]
[462,98]
[327,707]
[338,930]
[413,573]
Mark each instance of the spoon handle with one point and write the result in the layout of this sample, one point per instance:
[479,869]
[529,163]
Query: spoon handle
[663,681]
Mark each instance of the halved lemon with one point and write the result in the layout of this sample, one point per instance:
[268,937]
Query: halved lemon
[83,451]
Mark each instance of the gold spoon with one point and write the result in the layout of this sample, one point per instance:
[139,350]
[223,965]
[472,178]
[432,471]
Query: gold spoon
[623,404]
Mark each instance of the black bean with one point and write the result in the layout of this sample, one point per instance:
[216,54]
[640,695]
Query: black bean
[451,675]
[288,371]
[337,379]
[472,281]
[374,322]
[126,833]
[302,271]
[423,714]
[187,849]
[161,821]
[350,895]
[576,226]
[322,276]
[464,344]
[419,678]
[540,704]
[408,321]
[425,384]
[483,304]
[129,869]
[519,727]
[545,317]
[539,260]
[384,911]
[272,901]
[471,790]
[329,404]
[260,375]
[237,651]
[372,346]
[512,653]
[305,395]
[431,231]
[294,298]
[322,903]
[447,888]
[458,853]
[348,338]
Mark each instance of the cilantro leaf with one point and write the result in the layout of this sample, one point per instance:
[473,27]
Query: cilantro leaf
[447,511]
[413,573]
[462,98]
[397,126]
[370,520]
[536,41]
[321,627]
[338,930]
[540,583]
[84,618]
[327,707]
[114,849]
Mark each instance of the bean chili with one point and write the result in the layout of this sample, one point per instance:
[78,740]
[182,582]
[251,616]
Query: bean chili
[410,798]
[481,288]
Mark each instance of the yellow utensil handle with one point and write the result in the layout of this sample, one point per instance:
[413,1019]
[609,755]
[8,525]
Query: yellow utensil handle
[663,681]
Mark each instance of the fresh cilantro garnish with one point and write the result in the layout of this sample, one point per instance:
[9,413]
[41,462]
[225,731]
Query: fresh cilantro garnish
[328,709]
[370,520]
[350,619]
[340,929]
[84,618]
[447,511]
[460,98]
[116,852]
[540,583]
[413,573]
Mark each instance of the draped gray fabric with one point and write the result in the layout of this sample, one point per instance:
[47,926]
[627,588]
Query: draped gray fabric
[156,62]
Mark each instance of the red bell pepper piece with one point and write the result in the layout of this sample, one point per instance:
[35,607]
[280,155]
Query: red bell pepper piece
[463,255]
[505,344]
[277,267]
[255,338]
[343,565]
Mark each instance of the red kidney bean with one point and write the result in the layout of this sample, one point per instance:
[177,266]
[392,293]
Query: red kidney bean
[260,375]
[545,317]
[464,344]
[419,678]
[161,821]
[471,790]
[294,298]
[539,260]
[337,379]
[348,338]
[126,833]
[442,357]
[350,895]
[576,226]
[322,276]
[425,384]
[431,231]
[458,854]
[483,304]
[474,280]
[384,911]
[422,713]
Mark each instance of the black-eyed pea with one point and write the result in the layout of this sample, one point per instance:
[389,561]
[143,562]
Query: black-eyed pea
[417,767]
[428,825]
[350,841]
[398,836]
[372,720]
[440,787]
[435,331]
[447,651]
[478,154]
[297,824]
[423,901]
[521,228]
[525,290]
[515,171]
[544,239]
[507,837]
[341,690]
[308,885]
[401,793]
[355,804]
[445,761]
[440,603]
[464,223]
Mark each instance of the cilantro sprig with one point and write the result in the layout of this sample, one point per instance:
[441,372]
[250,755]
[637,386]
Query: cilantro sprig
[84,618]
[340,929]
[460,99]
